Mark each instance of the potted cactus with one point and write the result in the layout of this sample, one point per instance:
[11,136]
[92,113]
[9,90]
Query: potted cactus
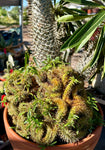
[50,106]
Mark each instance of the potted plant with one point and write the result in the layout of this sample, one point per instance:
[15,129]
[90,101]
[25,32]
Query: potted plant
[50,106]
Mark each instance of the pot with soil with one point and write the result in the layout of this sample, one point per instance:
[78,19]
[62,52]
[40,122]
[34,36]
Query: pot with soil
[50,106]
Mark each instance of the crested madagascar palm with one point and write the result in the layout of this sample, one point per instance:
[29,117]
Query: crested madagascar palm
[29,11]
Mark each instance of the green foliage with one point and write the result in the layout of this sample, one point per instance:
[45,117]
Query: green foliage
[70,19]
[11,16]
[50,63]
[47,105]
[85,2]
[3,12]
[5,18]
[80,37]
[26,60]
[92,102]
[25,16]
[14,13]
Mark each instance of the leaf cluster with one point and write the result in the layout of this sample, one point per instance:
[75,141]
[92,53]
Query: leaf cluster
[49,63]
[83,34]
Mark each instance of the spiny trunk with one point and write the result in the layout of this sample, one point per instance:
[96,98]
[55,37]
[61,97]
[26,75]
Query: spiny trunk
[44,31]
[30,16]
[29,6]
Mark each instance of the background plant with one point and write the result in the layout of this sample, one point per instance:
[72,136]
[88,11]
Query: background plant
[10,16]
[83,34]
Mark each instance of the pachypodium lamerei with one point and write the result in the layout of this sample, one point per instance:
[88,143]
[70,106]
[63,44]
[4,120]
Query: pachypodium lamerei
[46,38]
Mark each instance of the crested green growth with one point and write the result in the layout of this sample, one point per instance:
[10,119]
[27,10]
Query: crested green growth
[49,104]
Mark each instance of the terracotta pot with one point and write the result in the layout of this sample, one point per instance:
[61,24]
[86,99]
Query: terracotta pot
[1,79]
[19,143]
[89,11]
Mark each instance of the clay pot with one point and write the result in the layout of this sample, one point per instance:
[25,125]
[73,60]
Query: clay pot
[19,143]
[89,11]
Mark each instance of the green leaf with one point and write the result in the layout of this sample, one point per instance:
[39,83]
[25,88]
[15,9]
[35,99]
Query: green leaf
[12,127]
[69,18]
[79,23]
[103,50]
[83,34]
[84,40]
[66,44]
[84,2]
[72,11]
[53,143]
[26,59]
[103,72]
[35,61]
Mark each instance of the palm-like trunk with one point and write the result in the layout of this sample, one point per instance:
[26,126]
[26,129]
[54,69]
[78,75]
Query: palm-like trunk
[30,17]
[44,31]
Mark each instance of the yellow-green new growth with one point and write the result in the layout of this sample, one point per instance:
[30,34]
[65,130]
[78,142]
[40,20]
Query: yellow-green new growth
[68,90]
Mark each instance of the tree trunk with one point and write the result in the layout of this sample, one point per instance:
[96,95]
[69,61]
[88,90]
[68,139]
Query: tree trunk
[29,11]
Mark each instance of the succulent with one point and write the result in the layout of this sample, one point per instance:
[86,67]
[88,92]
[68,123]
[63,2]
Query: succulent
[49,104]
[46,36]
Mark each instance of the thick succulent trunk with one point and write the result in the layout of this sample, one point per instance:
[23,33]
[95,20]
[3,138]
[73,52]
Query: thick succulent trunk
[29,13]
[29,6]
[44,31]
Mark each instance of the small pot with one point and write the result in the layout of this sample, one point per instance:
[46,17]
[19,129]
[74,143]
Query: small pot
[19,143]
[89,11]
